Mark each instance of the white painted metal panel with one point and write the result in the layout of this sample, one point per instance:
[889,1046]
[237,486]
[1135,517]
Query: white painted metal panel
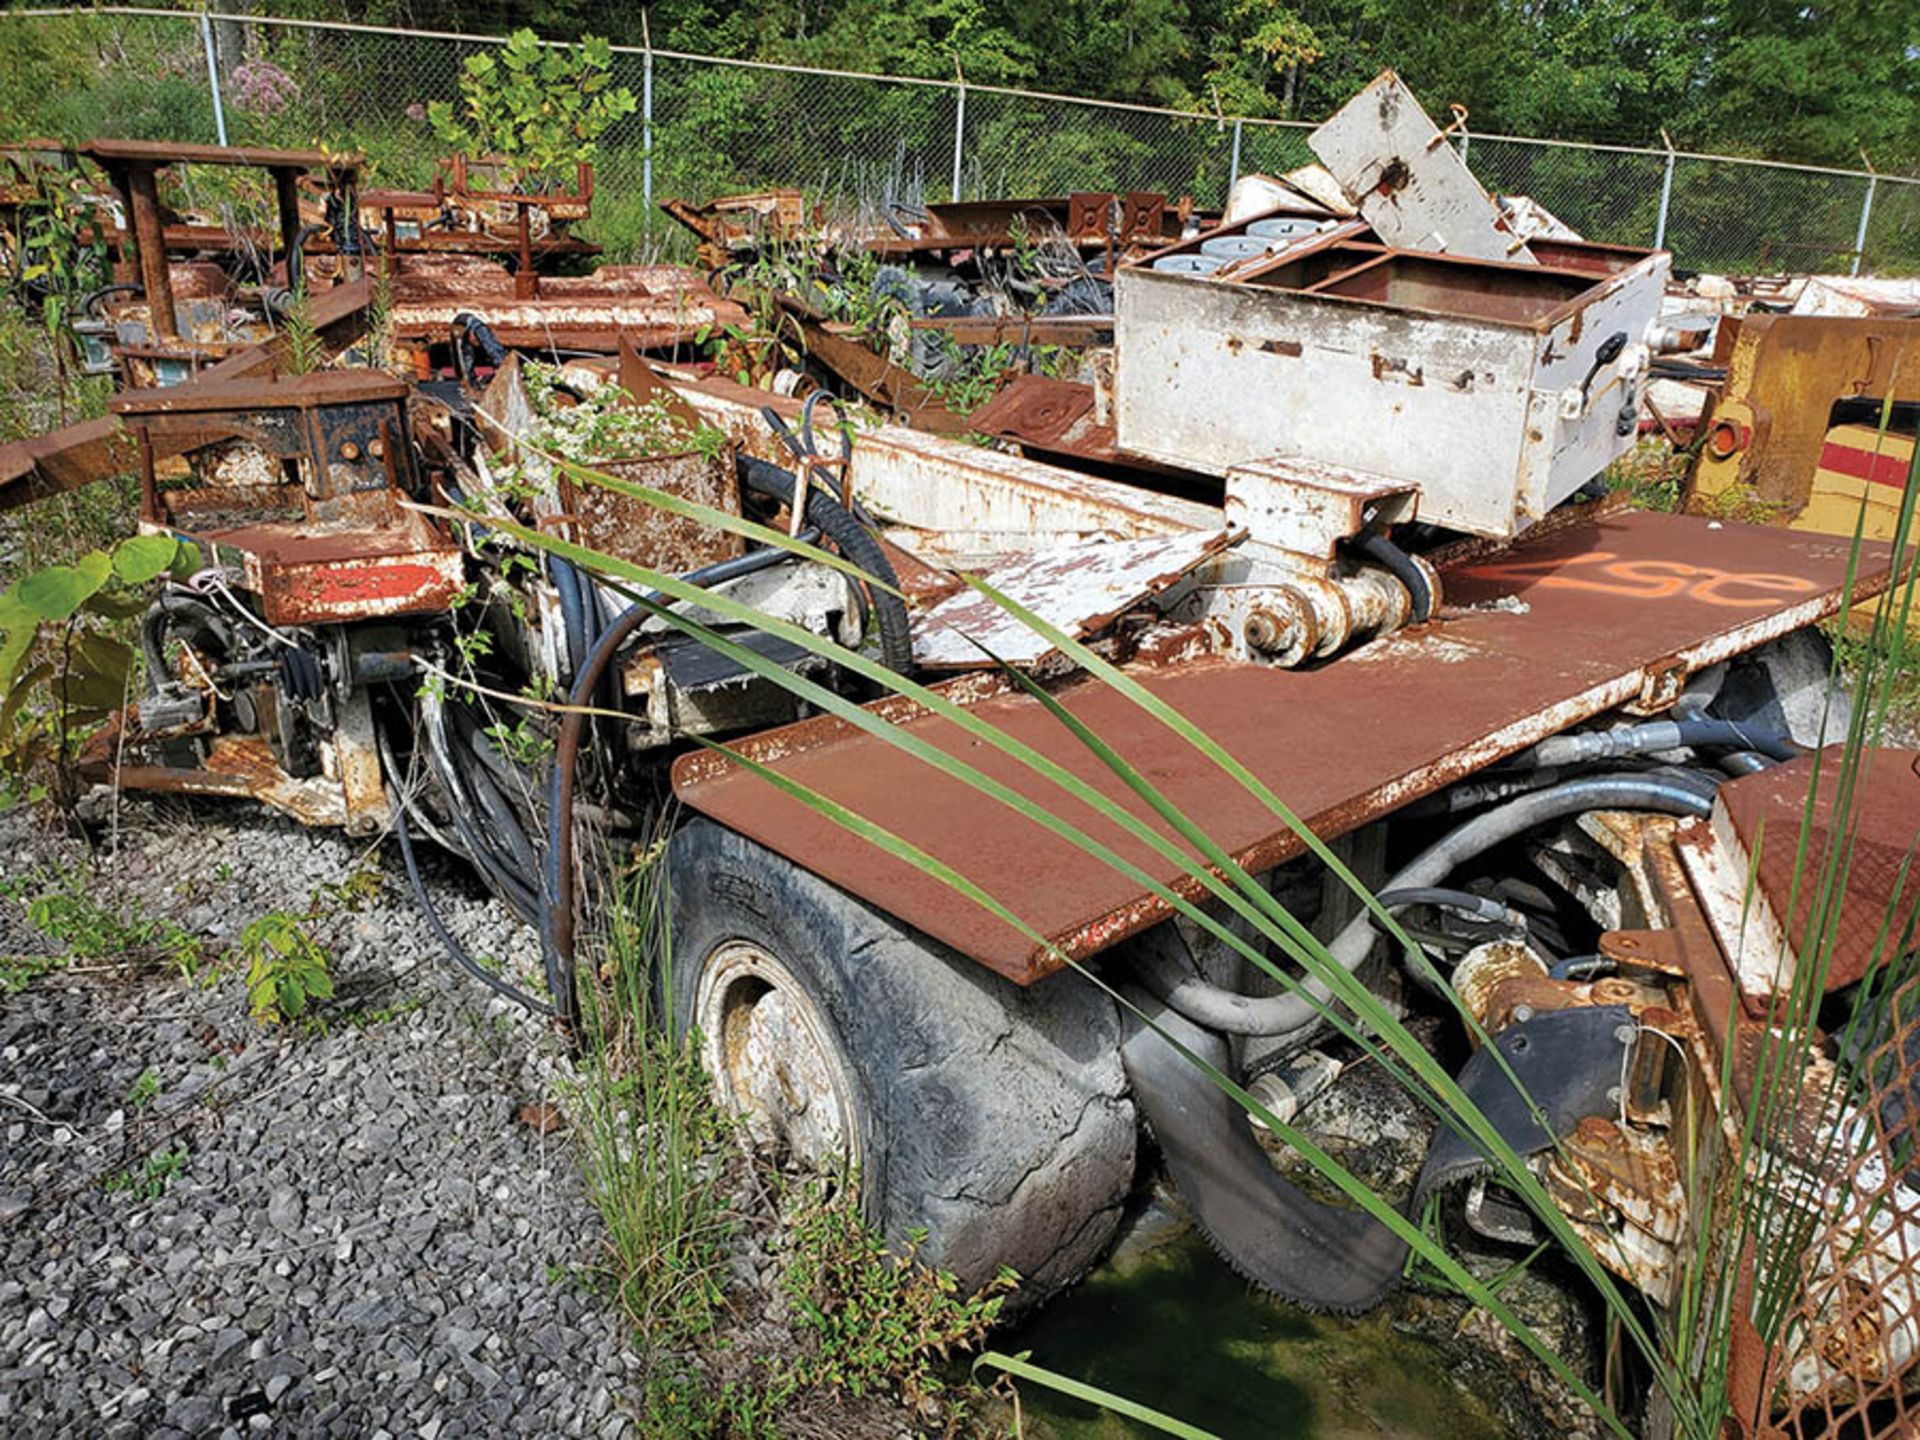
[1485,416]
[1410,184]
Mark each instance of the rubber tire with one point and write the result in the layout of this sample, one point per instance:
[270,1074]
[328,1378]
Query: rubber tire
[993,1117]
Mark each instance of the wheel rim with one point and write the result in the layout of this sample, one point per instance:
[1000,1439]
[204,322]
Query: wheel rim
[773,1058]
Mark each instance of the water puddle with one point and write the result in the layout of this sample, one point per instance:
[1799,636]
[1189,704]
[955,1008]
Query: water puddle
[1168,1324]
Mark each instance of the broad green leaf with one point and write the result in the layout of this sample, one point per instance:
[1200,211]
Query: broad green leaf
[58,591]
[142,557]
[18,626]
[115,605]
[17,694]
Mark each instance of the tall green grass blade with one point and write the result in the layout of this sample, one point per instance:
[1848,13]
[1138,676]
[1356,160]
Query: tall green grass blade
[1020,1367]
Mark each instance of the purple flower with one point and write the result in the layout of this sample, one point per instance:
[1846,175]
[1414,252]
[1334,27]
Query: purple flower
[262,88]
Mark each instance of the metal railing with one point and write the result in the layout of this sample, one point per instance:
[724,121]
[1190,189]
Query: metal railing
[708,126]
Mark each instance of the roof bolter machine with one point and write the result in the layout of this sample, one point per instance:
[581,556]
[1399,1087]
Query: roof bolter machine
[1367,560]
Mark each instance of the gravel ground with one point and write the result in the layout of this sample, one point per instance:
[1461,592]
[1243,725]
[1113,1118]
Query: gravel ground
[365,1237]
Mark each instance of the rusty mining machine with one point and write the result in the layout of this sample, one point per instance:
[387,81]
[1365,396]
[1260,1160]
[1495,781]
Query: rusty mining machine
[1363,551]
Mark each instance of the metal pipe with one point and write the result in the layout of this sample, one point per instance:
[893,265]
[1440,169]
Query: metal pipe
[959,134]
[1666,200]
[646,129]
[213,80]
[1866,214]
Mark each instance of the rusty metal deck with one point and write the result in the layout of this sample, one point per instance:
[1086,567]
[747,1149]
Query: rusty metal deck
[1871,918]
[1535,638]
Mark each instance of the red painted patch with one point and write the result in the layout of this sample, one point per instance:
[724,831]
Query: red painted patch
[1876,469]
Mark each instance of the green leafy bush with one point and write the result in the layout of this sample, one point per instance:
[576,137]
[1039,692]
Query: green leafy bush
[63,666]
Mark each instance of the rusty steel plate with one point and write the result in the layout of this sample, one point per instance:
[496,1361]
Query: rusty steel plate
[1873,844]
[1537,637]
[1080,589]
[1038,410]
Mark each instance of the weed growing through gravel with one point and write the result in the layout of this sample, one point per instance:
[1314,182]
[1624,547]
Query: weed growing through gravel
[876,1322]
[650,1131]
[287,969]
[149,1179]
[63,905]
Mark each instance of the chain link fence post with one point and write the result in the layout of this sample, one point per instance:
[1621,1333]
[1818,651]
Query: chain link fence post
[646,130]
[213,79]
[1866,214]
[1233,169]
[1666,195]
[959,130]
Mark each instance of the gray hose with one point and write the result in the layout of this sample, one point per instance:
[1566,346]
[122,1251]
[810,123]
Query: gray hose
[1233,1013]
[1460,902]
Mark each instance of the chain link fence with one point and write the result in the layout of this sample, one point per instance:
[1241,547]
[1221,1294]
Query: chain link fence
[707,127]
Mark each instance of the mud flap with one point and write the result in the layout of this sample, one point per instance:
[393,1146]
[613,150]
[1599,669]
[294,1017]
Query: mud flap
[1567,1061]
[1321,1256]
[1276,1235]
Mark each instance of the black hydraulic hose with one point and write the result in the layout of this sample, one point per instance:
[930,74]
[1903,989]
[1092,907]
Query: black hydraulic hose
[573,620]
[1461,902]
[194,614]
[1233,1013]
[1687,733]
[1397,563]
[487,778]
[1693,705]
[486,750]
[439,926]
[297,256]
[470,334]
[465,809]
[90,305]
[498,811]
[557,931]
[391,765]
[855,542]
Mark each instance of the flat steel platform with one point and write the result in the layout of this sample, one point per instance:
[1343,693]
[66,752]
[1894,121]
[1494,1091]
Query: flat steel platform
[1535,637]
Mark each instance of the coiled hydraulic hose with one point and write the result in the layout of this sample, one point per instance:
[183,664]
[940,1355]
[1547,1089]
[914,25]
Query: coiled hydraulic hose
[402,811]
[1233,1013]
[854,541]
[500,868]
[471,336]
[557,900]
[173,610]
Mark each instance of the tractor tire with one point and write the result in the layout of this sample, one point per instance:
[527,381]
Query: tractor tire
[993,1118]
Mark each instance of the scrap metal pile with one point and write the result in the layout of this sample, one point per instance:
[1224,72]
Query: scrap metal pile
[1319,473]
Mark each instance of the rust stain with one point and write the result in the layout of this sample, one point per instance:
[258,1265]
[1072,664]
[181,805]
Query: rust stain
[1341,744]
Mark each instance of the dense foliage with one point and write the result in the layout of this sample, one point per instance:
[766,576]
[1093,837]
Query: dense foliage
[1793,81]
